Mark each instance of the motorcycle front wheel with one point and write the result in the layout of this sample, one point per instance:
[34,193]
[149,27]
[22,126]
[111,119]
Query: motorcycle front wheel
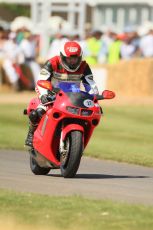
[70,158]
[36,169]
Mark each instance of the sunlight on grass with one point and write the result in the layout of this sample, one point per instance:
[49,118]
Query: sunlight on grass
[45,212]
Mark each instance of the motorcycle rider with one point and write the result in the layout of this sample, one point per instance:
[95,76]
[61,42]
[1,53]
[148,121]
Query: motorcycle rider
[68,66]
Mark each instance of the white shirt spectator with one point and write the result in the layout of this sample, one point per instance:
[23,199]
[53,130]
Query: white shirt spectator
[146,45]
[11,56]
[11,50]
[28,48]
[127,51]
[55,47]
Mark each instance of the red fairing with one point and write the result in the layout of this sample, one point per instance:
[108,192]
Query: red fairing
[47,136]
[44,138]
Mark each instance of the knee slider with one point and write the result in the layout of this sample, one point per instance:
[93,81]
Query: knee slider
[34,118]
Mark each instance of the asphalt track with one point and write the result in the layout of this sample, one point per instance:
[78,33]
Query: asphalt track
[96,179]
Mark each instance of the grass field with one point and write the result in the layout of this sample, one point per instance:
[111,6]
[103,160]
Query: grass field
[124,134]
[72,213]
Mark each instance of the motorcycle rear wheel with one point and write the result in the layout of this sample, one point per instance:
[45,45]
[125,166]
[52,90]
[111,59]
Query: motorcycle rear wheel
[74,148]
[36,169]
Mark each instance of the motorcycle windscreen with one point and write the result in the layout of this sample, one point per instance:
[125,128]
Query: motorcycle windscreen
[78,93]
[74,87]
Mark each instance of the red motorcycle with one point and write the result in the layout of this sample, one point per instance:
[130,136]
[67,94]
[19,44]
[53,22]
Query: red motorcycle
[66,128]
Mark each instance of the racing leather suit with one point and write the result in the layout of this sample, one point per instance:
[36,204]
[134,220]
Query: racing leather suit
[53,70]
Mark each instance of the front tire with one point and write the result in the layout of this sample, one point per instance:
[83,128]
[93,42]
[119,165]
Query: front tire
[74,149]
[36,169]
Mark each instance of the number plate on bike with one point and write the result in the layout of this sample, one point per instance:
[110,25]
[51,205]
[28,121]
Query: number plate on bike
[88,103]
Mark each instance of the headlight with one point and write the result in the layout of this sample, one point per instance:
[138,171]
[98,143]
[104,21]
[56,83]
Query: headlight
[86,112]
[72,110]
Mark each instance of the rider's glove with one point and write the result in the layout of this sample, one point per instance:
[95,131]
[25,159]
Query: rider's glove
[46,98]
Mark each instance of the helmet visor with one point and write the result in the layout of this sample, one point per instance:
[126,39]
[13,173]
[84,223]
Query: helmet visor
[72,62]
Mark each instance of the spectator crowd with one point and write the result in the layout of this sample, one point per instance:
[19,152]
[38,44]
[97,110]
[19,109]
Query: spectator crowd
[18,49]
[23,48]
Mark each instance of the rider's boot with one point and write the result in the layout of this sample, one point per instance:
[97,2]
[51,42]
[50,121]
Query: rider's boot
[34,118]
[29,139]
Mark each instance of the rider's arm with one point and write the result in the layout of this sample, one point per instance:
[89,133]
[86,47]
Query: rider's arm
[88,79]
[45,74]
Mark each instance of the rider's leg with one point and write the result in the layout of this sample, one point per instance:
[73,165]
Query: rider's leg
[34,117]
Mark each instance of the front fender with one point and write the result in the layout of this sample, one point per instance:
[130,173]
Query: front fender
[69,128]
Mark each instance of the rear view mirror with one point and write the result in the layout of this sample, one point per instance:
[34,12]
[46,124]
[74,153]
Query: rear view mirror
[107,94]
[45,84]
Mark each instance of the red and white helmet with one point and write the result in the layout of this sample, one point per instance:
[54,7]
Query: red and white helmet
[71,56]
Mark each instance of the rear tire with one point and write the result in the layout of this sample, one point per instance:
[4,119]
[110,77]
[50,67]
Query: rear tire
[70,165]
[36,169]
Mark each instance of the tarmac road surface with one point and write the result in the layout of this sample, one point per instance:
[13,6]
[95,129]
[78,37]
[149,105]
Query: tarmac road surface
[96,179]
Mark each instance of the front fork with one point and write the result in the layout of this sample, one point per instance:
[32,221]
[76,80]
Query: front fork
[64,149]
[61,147]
